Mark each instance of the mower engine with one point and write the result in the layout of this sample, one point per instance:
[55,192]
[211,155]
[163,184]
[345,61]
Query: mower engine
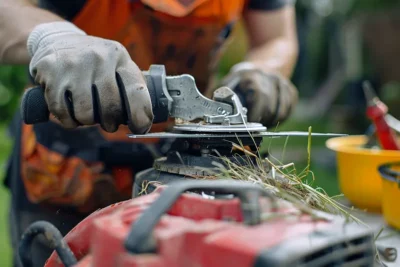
[188,219]
[212,224]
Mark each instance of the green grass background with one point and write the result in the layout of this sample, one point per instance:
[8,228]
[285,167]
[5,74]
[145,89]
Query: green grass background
[5,250]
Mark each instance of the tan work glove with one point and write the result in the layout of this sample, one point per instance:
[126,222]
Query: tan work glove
[88,80]
[268,97]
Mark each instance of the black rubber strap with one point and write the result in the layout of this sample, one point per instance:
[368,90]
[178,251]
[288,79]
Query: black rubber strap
[388,173]
[155,80]
[54,241]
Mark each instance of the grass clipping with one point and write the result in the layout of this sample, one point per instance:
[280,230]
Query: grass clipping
[283,180]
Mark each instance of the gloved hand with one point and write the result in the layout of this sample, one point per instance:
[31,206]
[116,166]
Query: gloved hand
[88,80]
[268,97]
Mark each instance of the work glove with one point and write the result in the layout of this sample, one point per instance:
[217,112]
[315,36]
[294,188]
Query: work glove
[88,80]
[268,97]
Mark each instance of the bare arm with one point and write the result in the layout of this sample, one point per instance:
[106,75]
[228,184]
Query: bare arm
[17,20]
[272,39]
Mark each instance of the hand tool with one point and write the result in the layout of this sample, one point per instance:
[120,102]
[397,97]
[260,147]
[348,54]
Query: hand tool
[178,97]
[204,131]
[376,111]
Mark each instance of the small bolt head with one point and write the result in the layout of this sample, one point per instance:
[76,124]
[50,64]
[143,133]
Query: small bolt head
[226,122]
[220,110]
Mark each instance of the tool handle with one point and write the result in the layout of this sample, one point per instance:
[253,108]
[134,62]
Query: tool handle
[34,108]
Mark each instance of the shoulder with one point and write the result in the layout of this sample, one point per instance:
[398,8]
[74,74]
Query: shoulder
[267,5]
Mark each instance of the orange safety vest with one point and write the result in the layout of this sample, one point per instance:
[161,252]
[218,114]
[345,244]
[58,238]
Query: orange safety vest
[183,35]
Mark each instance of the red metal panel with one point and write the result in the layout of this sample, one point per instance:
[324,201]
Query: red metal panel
[196,232]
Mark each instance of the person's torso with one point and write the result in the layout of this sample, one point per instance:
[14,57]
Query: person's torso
[184,35]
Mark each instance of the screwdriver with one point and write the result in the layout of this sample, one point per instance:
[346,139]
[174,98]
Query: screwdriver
[377,111]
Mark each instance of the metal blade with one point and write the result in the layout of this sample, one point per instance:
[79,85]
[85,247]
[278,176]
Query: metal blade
[232,135]
[393,122]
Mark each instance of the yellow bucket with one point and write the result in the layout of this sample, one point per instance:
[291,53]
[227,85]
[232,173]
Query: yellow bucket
[359,179]
[391,193]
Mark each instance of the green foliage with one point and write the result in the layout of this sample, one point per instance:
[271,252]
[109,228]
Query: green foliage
[12,81]
[5,248]
[374,4]
[326,8]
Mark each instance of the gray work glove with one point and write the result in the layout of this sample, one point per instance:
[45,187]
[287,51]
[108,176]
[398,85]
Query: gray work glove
[88,80]
[268,97]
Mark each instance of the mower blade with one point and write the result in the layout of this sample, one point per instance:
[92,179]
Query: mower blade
[232,135]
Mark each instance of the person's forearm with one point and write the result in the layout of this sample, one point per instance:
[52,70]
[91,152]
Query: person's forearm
[17,20]
[276,56]
[273,44]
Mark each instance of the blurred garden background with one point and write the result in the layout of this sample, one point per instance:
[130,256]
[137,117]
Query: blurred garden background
[342,43]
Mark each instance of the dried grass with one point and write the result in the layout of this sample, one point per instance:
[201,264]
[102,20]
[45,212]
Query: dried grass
[283,180]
